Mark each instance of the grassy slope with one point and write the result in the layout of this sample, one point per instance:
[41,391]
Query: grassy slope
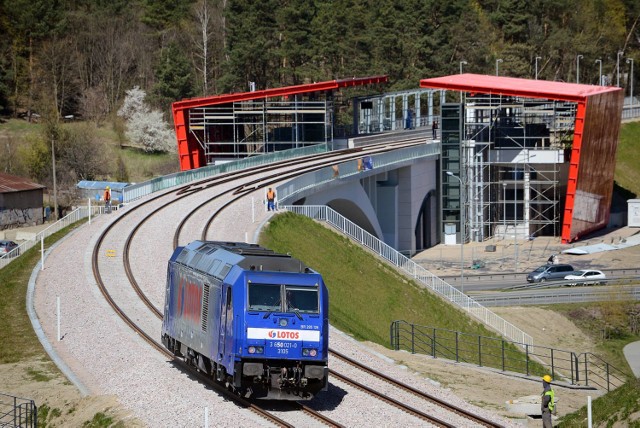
[366,295]
[141,166]
[627,173]
[19,341]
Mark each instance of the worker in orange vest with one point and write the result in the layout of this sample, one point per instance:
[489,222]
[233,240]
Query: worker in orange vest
[107,199]
[271,199]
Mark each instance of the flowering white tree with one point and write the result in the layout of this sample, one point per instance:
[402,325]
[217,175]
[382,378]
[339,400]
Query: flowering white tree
[146,127]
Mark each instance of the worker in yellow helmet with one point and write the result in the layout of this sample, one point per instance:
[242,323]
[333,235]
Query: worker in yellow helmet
[548,401]
[107,199]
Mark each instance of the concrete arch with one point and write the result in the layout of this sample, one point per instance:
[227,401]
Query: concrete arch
[351,201]
[425,229]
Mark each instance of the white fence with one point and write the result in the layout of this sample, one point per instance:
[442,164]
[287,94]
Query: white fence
[74,216]
[410,268]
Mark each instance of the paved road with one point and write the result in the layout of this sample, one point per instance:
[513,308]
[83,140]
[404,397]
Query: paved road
[632,354]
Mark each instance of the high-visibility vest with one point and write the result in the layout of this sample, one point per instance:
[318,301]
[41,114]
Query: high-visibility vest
[551,393]
[271,194]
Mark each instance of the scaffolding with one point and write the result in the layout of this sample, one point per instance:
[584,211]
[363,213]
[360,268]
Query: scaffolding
[512,162]
[247,128]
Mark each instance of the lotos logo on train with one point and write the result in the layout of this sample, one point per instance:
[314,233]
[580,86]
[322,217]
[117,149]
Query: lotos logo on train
[275,334]
[284,334]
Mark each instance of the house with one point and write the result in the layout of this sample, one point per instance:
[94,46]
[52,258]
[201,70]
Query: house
[20,202]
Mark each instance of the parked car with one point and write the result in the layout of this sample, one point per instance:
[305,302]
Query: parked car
[550,273]
[6,247]
[586,277]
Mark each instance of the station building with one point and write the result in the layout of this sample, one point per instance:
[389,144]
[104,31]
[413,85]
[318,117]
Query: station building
[519,158]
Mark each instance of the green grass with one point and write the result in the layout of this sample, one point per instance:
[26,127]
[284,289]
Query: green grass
[627,173]
[19,342]
[143,166]
[612,409]
[607,324]
[19,126]
[366,295]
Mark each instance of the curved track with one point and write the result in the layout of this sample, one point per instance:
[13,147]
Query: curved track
[199,204]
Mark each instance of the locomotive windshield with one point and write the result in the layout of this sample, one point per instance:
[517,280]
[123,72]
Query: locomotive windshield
[283,298]
[302,299]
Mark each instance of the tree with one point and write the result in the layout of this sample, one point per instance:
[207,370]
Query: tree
[174,78]
[82,155]
[145,127]
[150,131]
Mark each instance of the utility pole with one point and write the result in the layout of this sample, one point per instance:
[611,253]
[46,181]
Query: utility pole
[55,189]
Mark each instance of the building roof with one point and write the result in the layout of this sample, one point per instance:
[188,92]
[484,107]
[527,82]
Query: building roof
[278,92]
[101,185]
[12,183]
[514,86]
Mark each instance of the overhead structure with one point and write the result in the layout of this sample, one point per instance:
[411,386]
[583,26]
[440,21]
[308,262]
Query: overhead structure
[233,126]
[534,156]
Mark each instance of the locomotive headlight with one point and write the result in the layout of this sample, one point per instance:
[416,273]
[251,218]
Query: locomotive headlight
[309,352]
[255,349]
[283,322]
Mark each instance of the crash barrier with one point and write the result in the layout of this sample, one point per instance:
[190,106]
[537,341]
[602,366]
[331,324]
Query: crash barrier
[76,215]
[412,269]
[585,369]
[17,412]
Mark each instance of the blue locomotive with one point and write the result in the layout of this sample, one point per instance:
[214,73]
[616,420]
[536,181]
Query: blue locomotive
[251,318]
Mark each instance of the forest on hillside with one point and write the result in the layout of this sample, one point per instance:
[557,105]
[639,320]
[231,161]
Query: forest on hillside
[78,57]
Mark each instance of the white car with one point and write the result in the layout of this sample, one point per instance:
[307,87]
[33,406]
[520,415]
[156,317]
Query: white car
[586,277]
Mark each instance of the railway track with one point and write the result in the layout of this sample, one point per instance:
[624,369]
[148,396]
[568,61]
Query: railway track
[219,192]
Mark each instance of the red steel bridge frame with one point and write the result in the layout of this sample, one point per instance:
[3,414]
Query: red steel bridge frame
[191,153]
[595,139]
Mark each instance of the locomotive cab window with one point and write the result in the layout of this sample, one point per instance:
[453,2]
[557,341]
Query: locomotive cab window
[301,299]
[283,298]
[264,297]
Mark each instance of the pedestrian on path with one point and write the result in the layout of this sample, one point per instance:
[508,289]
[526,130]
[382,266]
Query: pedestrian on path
[548,401]
[434,129]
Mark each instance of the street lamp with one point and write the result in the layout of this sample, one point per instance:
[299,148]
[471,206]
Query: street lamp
[630,60]
[498,61]
[600,75]
[537,58]
[618,67]
[504,210]
[461,63]
[451,174]
[578,68]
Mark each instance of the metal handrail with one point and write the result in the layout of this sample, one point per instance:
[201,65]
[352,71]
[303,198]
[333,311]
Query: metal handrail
[140,190]
[578,369]
[412,269]
[17,412]
[76,215]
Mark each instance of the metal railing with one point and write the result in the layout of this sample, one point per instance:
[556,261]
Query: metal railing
[559,295]
[17,412]
[412,269]
[76,215]
[578,369]
[139,190]
[318,178]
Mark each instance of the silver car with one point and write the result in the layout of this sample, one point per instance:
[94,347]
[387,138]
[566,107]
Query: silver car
[550,273]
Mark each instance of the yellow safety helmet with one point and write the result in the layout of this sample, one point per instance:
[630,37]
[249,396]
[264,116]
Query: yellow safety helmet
[546,378]
[108,187]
